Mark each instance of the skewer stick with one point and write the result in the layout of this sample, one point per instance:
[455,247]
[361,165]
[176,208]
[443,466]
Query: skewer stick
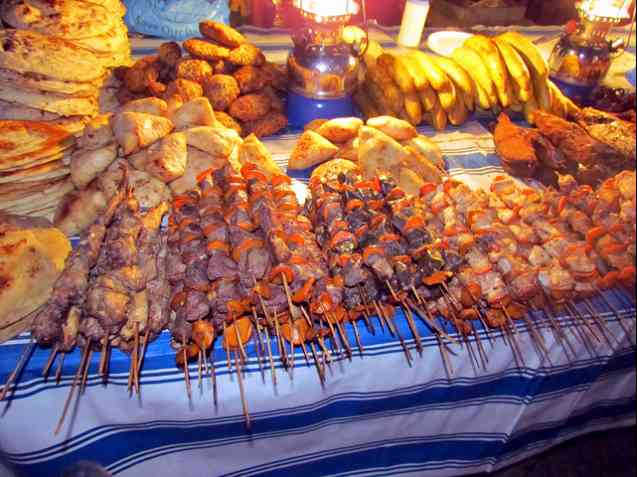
[604,330]
[539,342]
[199,370]
[270,358]
[244,356]
[69,397]
[244,403]
[556,326]
[392,327]
[481,353]
[86,367]
[613,310]
[258,342]
[135,361]
[305,355]
[343,338]
[358,339]
[481,317]
[49,362]
[584,321]
[319,368]
[425,315]
[58,371]
[24,358]
[412,327]
[366,313]
[514,341]
[281,344]
[186,368]
[103,356]
[225,345]
[213,377]
[140,362]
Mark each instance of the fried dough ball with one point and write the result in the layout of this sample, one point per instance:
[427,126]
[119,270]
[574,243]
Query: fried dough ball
[169,53]
[276,75]
[228,121]
[244,55]
[221,33]
[270,124]
[277,102]
[185,88]
[194,70]
[221,67]
[250,107]
[221,90]
[206,50]
[250,79]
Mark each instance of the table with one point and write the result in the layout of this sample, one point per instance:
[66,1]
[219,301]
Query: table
[375,415]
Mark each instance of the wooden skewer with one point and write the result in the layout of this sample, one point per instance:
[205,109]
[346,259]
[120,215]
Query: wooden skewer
[282,351]
[60,367]
[244,403]
[540,344]
[142,356]
[200,370]
[513,339]
[86,368]
[49,362]
[74,384]
[381,318]
[483,355]
[358,339]
[319,368]
[584,321]
[213,377]
[555,324]
[604,330]
[396,332]
[186,369]
[425,315]
[242,350]
[366,314]
[343,338]
[225,345]
[614,311]
[271,359]
[103,354]
[258,342]
[135,361]
[24,358]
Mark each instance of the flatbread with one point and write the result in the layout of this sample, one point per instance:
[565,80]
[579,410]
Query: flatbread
[19,112]
[30,262]
[68,19]
[23,143]
[22,189]
[48,171]
[30,202]
[28,52]
[26,81]
[54,103]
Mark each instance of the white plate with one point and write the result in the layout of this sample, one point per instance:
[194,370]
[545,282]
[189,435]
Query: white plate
[444,42]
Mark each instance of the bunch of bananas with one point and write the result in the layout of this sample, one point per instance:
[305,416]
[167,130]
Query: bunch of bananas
[502,73]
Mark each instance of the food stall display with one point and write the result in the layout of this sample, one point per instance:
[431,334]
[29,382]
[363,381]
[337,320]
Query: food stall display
[187,230]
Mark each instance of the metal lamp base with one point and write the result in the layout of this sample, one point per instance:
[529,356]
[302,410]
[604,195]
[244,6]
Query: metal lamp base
[302,110]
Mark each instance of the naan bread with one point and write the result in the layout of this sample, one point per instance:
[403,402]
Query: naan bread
[28,52]
[10,78]
[30,262]
[51,170]
[24,142]
[68,19]
[51,102]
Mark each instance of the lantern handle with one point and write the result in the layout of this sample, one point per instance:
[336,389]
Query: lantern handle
[364,43]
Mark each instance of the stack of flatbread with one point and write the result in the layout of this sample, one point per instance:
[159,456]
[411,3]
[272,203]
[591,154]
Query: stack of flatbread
[32,256]
[54,66]
[34,167]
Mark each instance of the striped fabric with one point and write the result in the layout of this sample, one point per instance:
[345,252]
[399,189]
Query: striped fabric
[375,416]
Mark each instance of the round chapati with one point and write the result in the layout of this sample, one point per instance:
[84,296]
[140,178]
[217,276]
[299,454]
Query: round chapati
[26,81]
[67,19]
[30,262]
[63,105]
[28,52]
[24,143]
[33,200]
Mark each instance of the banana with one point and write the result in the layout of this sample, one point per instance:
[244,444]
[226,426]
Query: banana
[417,74]
[460,77]
[472,63]
[374,50]
[536,64]
[438,118]
[436,77]
[518,71]
[413,108]
[448,98]
[495,64]
[459,114]
[390,65]
[529,110]
[394,98]
[428,98]
[482,98]
[561,103]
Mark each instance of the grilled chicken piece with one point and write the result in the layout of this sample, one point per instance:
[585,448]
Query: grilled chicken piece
[575,143]
[610,130]
[515,147]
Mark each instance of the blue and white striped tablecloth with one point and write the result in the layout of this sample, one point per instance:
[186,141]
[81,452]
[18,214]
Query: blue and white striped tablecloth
[375,416]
